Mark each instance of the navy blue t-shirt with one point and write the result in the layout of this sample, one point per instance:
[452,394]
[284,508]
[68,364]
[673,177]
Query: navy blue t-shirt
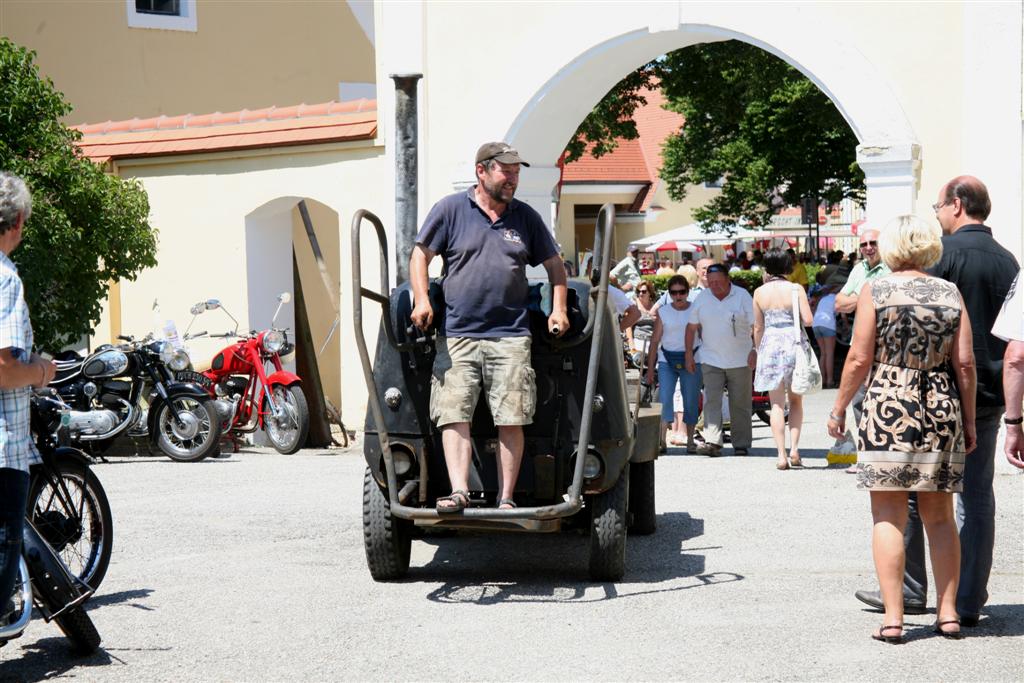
[485,288]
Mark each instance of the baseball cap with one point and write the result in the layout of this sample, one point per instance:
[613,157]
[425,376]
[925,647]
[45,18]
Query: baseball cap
[499,151]
[633,247]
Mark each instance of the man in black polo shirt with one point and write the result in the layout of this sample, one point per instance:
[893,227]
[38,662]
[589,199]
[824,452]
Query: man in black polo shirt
[487,239]
[983,271]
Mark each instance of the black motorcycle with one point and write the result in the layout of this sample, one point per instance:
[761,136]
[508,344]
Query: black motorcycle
[66,502]
[130,389]
[56,521]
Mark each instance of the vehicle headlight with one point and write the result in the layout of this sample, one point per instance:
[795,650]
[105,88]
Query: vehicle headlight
[175,359]
[273,341]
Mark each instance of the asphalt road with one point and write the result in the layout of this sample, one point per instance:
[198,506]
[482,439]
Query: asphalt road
[252,568]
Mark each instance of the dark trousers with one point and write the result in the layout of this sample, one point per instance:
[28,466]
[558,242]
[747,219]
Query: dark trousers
[13,499]
[975,516]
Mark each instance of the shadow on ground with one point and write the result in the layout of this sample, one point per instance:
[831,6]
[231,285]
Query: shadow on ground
[491,569]
[50,658]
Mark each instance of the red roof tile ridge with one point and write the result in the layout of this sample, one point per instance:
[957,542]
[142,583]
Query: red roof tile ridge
[218,118]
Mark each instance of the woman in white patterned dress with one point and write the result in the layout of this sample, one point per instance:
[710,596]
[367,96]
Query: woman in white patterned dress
[777,343]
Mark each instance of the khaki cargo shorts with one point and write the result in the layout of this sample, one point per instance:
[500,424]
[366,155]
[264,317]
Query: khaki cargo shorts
[500,366]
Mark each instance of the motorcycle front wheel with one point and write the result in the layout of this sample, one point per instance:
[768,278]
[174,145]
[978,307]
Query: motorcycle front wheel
[287,433]
[190,435]
[74,519]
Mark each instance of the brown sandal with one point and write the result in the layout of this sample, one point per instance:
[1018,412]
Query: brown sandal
[892,640]
[952,635]
[459,501]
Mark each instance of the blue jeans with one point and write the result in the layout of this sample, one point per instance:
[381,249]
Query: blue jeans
[976,519]
[13,499]
[689,387]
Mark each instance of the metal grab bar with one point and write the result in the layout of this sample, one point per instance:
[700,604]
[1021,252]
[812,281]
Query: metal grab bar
[385,278]
[574,500]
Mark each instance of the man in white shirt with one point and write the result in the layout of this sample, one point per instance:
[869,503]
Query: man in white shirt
[626,273]
[1009,327]
[724,315]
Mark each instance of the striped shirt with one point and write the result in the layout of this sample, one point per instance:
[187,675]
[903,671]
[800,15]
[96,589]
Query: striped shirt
[17,449]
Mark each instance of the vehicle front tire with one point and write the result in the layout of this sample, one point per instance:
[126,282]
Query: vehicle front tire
[290,436]
[193,441]
[608,531]
[643,518]
[387,539]
[80,630]
[84,548]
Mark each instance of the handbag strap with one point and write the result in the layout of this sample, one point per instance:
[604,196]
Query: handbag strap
[797,327]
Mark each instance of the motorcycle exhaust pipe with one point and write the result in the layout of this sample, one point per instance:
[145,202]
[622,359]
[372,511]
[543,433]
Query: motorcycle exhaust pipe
[128,421]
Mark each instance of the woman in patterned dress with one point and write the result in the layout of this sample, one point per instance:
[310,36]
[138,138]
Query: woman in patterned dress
[918,421]
[777,344]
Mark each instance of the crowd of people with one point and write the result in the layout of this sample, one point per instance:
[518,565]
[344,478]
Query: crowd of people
[934,309]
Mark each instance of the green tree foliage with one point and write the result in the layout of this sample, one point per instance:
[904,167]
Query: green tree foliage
[87,228]
[751,120]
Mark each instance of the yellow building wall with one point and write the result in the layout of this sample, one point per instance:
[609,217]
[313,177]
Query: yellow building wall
[227,224]
[319,301]
[570,231]
[243,55]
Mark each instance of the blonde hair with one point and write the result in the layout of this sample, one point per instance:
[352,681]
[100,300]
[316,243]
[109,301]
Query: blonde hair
[910,243]
[690,273]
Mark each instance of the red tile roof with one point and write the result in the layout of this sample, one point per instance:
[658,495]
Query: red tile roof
[191,134]
[625,164]
[633,161]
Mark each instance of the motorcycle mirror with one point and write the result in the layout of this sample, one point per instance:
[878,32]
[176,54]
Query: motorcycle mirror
[198,308]
[284,297]
[212,304]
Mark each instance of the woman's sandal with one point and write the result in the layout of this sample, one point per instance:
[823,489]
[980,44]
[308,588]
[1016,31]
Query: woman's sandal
[507,501]
[782,465]
[459,501]
[892,640]
[796,462]
[952,635]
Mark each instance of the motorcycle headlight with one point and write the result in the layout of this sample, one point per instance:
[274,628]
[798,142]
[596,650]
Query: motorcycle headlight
[273,341]
[175,359]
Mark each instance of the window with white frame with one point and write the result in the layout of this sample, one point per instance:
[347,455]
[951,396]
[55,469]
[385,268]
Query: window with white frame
[169,15]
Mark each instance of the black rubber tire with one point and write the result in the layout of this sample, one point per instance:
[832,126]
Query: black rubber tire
[643,519]
[80,630]
[387,539]
[206,447]
[298,437]
[608,531]
[89,566]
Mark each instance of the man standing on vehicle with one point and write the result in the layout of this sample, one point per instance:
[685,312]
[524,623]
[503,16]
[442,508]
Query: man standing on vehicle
[19,369]
[487,239]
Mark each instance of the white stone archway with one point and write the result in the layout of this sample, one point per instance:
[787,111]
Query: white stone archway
[888,153]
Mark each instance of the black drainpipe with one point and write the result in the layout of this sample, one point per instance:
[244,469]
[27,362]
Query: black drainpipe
[406,161]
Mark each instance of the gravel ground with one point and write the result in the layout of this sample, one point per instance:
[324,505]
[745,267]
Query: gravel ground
[252,568]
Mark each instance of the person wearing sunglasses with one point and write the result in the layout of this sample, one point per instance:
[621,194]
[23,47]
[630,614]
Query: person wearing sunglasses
[867,269]
[668,344]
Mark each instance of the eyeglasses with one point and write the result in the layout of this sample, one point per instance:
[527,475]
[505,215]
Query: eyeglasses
[939,205]
[871,243]
[678,292]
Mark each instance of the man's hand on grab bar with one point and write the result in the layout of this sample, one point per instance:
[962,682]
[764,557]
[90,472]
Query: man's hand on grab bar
[422,314]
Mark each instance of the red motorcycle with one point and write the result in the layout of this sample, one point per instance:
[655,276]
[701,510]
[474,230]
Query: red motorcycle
[249,394]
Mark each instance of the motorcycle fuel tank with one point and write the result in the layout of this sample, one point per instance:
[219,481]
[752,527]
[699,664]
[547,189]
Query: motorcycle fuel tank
[108,363]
